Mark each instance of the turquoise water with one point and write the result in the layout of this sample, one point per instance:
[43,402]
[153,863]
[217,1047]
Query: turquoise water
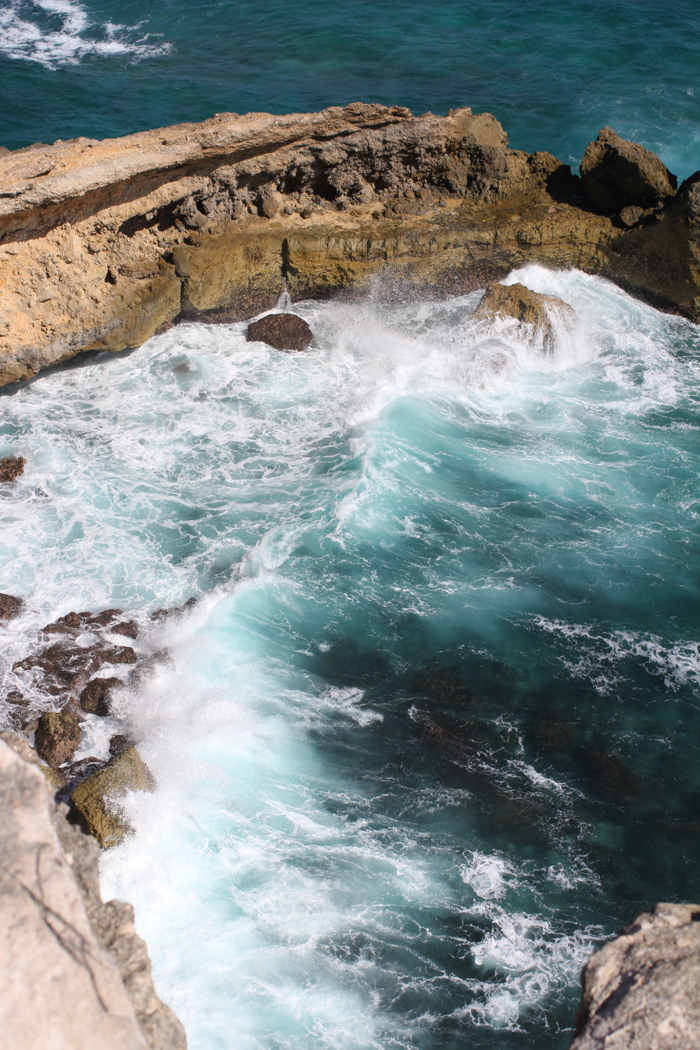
[431,733]
[552,73]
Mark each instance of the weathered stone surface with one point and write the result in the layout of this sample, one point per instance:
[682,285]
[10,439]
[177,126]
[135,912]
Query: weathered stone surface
[73,972]
[10,606]
[281,331]
[57,737]
[617,173]
[96,800]
[64,670]
[642,990]
[95,697]
[128,628]
[536,311]
[11,468]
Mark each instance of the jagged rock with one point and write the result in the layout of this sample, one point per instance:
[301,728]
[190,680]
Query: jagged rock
[95,697]
[533,309]
[631,214]
[179,610]
[11,468]
[65,670]
[74,622]
[95,800]
[21,746]
[128,628]
[617,173]
[10,606]
[642,990]
[57,737]
[281,331]
[73,972]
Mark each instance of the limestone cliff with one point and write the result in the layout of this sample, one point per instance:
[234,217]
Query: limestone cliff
[73,972]
[102,243]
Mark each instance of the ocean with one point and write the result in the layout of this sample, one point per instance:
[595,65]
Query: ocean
[430,734]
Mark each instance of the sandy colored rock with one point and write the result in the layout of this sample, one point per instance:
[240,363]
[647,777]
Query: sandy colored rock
[539,313]
[57,737]
[281,331]
[642,990]
[10,606]
[11,468]
[617,173]
[96,800]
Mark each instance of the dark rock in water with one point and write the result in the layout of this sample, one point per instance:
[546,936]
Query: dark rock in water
[528,308]
[95,697]
[642,990]
[163,614]
[10,606]
[65,670]
[550,733]
[149,668]
[93,801]
[617,173]
[11,468]
[74,622]
[281,331]
[128,628]
[118,744]
[57,738]
[609,777]
[120,654]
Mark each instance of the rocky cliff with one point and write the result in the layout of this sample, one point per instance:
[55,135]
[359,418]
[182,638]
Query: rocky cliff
[102,243]
[73,972]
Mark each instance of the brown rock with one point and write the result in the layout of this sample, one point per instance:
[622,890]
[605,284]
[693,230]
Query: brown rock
[95,697]
[11,468]
[128,628]
[73,622]
[179,610]
[66,670]
[120,654]
[642,990]
[10,606]
[281,331]
[95,800]
[617,173]
[57,738]
[532,309]
[631,214]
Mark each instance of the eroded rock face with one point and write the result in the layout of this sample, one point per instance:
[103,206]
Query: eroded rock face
[96,800]
[642,990]
[281,331]
[618,174]
[73,972]
[532,309]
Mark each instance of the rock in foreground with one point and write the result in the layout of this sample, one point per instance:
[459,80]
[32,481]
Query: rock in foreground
[73,973]
[642,990]
[617,173]
[95,800]
[281,331]
[533,309]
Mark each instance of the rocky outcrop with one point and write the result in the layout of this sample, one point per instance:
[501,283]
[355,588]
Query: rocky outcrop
[102,243]
[11,468]
[95,802]
[618,174]
[57,737]
[10,606]
[281,331]
[73,972]
[538,313]
[642,990]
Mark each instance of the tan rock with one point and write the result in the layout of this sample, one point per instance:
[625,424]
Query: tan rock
[538,313]
[642,990]
[96,800]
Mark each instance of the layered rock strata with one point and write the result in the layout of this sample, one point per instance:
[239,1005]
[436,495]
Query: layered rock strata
[73,972]
[103,243]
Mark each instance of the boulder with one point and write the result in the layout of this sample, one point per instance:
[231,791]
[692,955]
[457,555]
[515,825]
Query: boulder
[95,801]
[617,173]
[127,628]
[536,311]
[57,737]
[281,331]
[10,606]
[67,669]
[642,990]
[11,468]
[95,697]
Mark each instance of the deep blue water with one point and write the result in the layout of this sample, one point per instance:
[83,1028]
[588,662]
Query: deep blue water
[553,73]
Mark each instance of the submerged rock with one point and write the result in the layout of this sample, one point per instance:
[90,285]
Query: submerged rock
[11,468]
[617,173]
[281,331]
[10,606]
[57,737]
[94,801]
[528,308]
[642,990]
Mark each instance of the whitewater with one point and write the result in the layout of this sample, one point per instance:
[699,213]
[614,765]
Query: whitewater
[428,735]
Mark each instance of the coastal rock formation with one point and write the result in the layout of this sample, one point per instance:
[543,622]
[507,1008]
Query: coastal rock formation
[57,737]
[11,468]
[281,331]
[10,606]
[73,972]
[641,991]
[95,802]
[536,311]
[103,243]
[618,174]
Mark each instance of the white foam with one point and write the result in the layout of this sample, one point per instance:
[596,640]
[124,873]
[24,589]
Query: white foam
[75,38]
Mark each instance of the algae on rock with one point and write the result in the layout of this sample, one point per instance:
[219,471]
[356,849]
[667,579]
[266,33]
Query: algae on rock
[95,801]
